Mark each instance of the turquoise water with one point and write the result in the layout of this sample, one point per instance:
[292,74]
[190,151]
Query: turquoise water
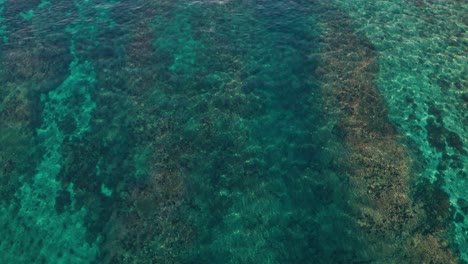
[233,131]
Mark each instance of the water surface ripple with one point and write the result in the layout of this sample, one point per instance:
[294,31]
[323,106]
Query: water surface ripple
[233,131]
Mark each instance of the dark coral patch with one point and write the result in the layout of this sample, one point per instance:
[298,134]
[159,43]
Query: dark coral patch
[62,201]
[454,140]
[435,133]
[436,205]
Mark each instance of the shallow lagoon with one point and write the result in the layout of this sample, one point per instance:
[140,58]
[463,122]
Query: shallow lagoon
[233,131]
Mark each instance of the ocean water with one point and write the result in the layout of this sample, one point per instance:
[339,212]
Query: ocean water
[233,131]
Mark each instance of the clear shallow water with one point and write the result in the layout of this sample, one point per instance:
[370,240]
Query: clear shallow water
[233,132]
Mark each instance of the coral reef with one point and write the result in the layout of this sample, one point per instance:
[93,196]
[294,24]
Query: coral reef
[136,131]
[378,166]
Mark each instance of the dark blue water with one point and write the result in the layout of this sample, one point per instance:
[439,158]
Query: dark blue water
[232,132]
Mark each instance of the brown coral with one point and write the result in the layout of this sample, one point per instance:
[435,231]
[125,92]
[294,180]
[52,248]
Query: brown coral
[377,165]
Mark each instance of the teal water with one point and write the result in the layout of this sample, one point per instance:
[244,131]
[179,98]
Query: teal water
[233,131]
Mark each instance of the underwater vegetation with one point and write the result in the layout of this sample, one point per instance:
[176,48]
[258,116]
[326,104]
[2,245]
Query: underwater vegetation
[233,131]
